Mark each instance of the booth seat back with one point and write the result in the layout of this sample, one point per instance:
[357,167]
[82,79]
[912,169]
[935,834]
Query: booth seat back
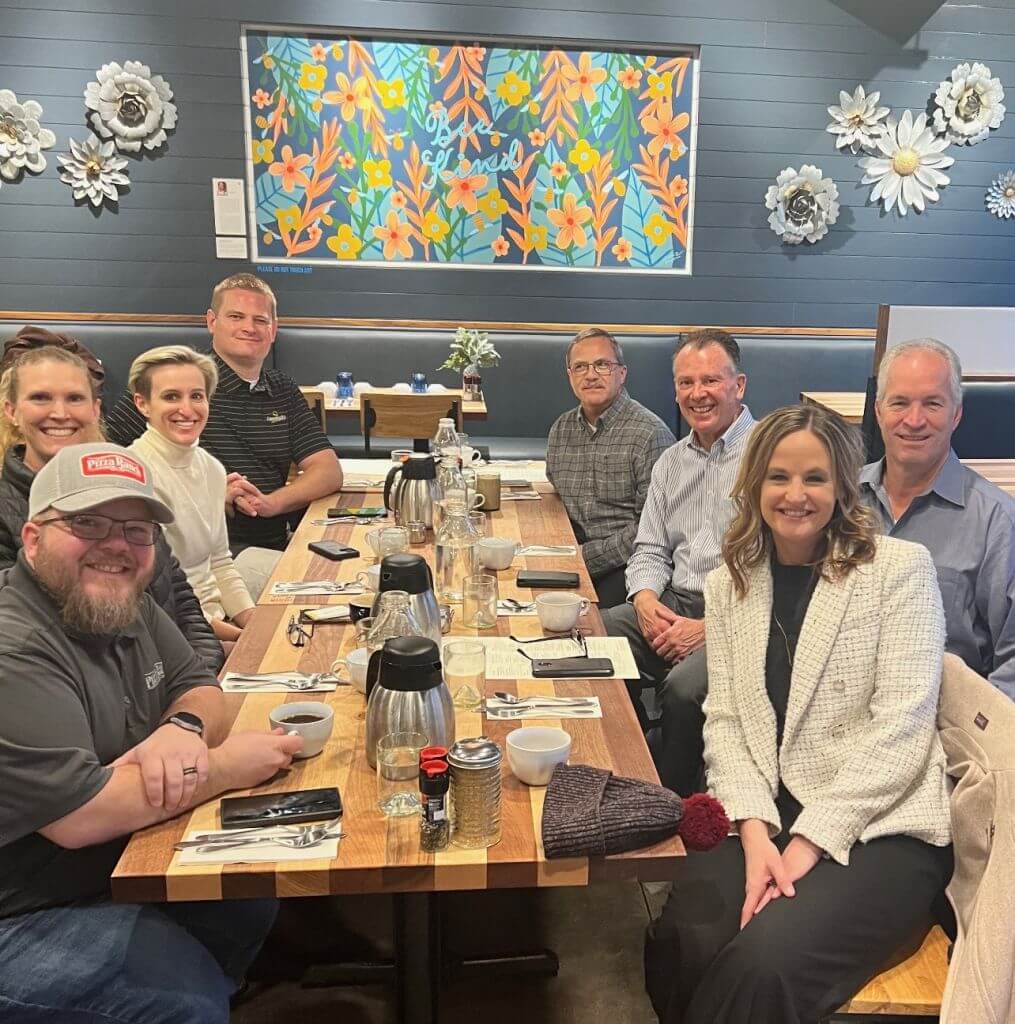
[988,417]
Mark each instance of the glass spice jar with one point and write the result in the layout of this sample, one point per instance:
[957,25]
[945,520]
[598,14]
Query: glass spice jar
[475,793]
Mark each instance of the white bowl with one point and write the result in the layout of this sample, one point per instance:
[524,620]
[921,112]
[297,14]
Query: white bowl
[496,552]
[535,750]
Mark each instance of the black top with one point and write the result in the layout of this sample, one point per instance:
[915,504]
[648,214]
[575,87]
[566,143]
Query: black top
[792,587]
[259,431]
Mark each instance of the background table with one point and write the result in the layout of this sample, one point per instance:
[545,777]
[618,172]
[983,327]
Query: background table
[848,404]
[351,406]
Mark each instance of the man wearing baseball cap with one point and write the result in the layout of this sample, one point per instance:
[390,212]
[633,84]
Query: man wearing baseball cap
[106,720]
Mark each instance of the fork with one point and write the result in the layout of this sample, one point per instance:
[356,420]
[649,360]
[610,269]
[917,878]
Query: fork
[556,711]
[310,682]
[313,837]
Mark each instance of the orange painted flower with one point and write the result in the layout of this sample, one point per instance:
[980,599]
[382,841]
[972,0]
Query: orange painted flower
[318,52]
[537,137]
[664,130]
[679,186]
[314,233]
[290,169]
[465,191]
[395,236]
[583,79]
[630,77]
[261,98]
[398,201]
[569,219]
[347,161]
[558,169]
[622,250]
[475,52]
[500,246]
[352,96]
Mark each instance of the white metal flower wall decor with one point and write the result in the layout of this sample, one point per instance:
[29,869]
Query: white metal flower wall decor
[22,137]
[1000,197]
[858,121]
[908,173]
[804,204]
[131,106]
[94,171]
[968,104]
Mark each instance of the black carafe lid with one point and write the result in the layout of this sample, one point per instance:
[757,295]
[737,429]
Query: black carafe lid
[419,466]
[405,571]
[410,663]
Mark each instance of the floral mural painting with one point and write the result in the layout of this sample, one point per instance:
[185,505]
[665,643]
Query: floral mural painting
[415,152]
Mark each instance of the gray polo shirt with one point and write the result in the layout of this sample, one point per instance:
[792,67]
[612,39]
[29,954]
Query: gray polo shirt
[966,523]
[69,705]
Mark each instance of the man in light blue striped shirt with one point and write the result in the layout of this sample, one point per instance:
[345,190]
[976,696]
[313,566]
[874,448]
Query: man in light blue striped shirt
[679,542]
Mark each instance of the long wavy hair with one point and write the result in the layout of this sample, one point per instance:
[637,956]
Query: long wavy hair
[850,535]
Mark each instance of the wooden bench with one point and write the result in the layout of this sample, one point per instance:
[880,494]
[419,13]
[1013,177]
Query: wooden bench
[911,989]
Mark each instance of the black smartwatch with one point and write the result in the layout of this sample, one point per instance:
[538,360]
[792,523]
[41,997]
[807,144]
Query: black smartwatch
[185,720]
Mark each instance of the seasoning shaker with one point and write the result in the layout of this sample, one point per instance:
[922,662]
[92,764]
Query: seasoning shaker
[434,827]
[475,793]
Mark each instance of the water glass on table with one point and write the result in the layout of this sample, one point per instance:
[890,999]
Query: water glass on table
[480,523]
[479,602]
[398,773]
[418,383]
[345,383]
[465,672]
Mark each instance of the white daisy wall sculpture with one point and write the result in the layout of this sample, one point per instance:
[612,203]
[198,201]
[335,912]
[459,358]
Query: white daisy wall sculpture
[857,121]
[1000,197]
[907,174]
[804,205]
[968,105]
[130,106]
[94,171]
[22,137]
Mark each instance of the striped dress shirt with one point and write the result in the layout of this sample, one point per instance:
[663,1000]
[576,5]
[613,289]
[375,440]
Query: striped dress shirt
[687,512]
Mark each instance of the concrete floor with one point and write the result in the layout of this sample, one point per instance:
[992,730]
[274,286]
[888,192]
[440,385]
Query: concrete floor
[597,933]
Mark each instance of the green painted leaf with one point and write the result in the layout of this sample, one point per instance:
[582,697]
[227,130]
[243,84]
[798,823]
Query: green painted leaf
[639,207]
[271,197]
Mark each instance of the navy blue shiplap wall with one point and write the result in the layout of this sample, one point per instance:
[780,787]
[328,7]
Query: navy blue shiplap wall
[769,68]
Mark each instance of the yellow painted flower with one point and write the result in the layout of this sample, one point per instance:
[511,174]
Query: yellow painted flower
[535,236]
[262,151]
[495,139]
[493,204]
[344,243]
[353,197]
[288,218]
[533,108]
[313,77]
[658,229]
[316,106]
[433,55]
[650,62]
[261,122]
[513,89]
[378,173]
[392,93]
[619,187]
[336,51]
[435,227]
[583,156]
[268,62]
[660,87]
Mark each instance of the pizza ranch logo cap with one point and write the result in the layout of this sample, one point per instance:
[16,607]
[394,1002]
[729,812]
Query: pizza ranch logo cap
[84,476]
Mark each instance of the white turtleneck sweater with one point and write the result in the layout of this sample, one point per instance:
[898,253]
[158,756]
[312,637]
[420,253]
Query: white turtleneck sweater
[192,483]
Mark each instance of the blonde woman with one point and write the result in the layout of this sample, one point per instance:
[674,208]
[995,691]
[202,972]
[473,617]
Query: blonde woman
[825,646]
[51,401]
[172,387]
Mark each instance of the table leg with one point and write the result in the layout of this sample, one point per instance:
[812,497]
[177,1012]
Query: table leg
[417,956]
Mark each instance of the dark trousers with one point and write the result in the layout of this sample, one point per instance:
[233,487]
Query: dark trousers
[801,957]
[680,689]
[611,587]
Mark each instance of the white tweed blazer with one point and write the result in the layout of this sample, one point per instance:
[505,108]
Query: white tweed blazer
[860,749]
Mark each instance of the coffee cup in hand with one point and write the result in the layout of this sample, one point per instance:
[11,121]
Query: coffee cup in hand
[560,612]
[311,719]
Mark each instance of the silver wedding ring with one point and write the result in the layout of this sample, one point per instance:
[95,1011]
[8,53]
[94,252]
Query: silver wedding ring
[190,771]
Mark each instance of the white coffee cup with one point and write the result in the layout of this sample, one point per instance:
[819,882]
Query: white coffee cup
[534,751]
[356,662]
[470,455]
[315,734]
[560,612]
[370,578]
[496,552]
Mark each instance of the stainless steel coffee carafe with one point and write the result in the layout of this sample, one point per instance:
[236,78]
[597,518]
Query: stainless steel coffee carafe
[410,573]
[411,490]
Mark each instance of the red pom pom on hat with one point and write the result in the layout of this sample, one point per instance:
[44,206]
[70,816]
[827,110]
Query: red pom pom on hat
[704,823]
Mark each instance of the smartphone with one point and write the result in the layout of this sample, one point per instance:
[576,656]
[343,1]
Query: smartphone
[572,668]
[329,613]
[547,580]
[281,808]
[332,549]
[367,512]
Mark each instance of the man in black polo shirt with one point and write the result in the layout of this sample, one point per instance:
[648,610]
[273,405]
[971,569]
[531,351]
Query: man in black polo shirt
[103,728]
[258,423]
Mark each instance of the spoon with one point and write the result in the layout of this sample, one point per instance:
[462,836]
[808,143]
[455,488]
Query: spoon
[510,698]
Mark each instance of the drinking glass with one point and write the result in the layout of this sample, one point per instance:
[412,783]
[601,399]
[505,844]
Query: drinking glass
[479,522]
[418,383]
[465,672]
[479,602]
[344,381]
[398,773]
[392,541]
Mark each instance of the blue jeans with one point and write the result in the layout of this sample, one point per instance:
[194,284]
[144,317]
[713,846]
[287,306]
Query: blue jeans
[111,963]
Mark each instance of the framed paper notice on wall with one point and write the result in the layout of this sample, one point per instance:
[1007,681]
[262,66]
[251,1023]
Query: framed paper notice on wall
[410,151]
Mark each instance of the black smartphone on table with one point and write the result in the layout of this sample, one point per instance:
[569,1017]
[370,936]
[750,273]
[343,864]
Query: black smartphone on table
[547,580]
[332,549]
[572,668]
[281,808]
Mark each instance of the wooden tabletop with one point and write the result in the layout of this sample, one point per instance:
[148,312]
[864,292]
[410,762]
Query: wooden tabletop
[351,406]
[379,854]
[532,522]
[848,404]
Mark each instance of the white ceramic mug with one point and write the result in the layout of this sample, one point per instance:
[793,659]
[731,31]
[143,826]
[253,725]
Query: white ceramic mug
[315,734]
[534,751]
[560,612]
[470,455]
[370,578]
[496,552]
[356,662]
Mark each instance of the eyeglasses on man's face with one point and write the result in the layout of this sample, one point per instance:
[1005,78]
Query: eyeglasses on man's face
[92,526]
[601,368]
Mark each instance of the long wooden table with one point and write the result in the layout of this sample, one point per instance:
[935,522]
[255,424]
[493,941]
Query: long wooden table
[382,855]
[351,406]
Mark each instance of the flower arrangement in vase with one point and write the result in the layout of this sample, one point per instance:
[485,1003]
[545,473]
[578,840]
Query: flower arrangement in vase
[470,350]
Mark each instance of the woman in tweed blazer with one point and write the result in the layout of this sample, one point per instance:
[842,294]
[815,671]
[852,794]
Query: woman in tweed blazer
[824,752]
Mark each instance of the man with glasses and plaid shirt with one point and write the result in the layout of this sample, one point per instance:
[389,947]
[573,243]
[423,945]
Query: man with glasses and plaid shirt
[110,724]
[599,457]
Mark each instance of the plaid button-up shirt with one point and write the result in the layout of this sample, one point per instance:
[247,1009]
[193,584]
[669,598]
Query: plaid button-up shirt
[602,474]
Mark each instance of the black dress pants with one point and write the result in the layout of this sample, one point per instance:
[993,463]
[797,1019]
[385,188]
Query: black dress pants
[801,957]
